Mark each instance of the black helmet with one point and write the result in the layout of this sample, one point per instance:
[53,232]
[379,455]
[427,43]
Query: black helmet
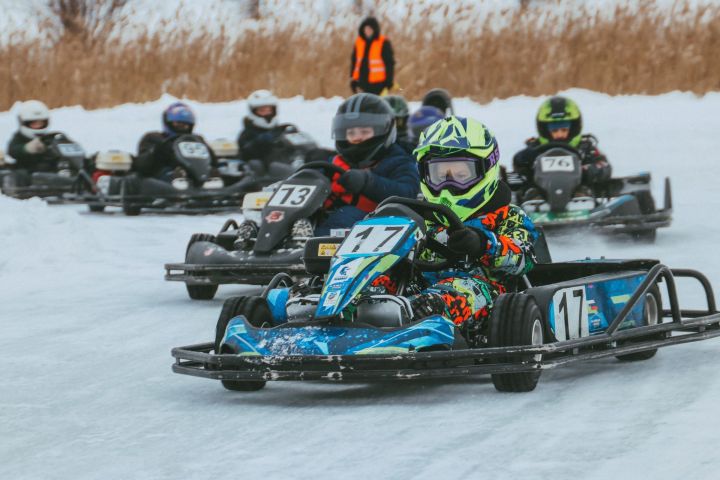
[439,98]
[363,111]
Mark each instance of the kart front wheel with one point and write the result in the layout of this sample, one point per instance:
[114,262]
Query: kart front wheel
[652,316]
[200,292]
[96,208]
[516,320]
[257,312]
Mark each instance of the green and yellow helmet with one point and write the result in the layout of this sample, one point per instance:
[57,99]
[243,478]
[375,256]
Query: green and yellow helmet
[459,164]
[559,120]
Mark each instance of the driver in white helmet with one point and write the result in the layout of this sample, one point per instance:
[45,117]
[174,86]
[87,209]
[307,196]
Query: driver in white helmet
[261,126]
[26,147]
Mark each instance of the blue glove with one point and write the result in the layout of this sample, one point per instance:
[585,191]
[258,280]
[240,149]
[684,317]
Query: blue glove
[354,180]
[468,241]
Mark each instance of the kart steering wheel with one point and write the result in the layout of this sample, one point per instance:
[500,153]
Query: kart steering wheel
[437,214]
[328,168]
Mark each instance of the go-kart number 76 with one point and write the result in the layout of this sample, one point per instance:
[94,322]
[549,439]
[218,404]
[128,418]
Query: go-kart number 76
[570,313]
[562,163]
[291,196]
[372,239]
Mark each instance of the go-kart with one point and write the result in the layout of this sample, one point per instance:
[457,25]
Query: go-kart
[622,205]
[70,159]
[195,190]
[289,213]
[337,327]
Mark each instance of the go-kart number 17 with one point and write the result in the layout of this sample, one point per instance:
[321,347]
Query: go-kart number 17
[293,196]
[372,239]
[570,313]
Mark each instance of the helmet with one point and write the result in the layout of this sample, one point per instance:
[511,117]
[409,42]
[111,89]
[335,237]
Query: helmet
[178,119]
[423,118]
[439,98]
[33,111]
[459,164]
[371,113]
[401,110]
[559,119]
[262,98]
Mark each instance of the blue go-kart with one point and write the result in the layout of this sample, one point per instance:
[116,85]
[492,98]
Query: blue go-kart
[338,327]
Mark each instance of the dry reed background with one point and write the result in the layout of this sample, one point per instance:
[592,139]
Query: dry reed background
[635,52]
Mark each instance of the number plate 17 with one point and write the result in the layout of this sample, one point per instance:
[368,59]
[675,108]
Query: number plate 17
[570,313]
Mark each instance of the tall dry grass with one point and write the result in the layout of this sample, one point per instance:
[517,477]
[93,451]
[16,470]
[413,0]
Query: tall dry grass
[634,52]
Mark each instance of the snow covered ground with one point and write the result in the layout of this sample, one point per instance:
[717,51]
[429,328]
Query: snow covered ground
[87,324]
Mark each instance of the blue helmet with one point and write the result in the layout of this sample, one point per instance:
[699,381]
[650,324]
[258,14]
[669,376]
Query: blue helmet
[423,118]
[178,119]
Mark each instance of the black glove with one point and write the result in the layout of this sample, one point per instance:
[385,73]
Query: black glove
[467,241]
[267,137]
[353,85]
[354,181]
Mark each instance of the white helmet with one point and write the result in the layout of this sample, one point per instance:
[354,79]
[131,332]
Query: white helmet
[262,98]
[31,111]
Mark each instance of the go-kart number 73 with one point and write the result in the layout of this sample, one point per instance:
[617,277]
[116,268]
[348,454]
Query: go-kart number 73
[570,313]
[372,239]
[291,196]
[563,163]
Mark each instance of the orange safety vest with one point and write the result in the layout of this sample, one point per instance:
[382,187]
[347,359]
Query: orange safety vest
[340,195]
[376,66]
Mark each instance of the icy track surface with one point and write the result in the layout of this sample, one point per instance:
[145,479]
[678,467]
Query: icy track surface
[87,324]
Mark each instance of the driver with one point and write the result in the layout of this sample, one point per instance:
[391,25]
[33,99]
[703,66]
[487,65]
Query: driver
[458,159]
[26,146]
[375,166]
[260,126]
[155,156]
[559,121]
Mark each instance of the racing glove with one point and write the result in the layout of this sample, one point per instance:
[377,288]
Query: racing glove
[35,146]
[354,180]
[468,241]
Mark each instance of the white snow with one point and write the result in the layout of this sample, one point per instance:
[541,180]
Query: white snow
[87,323]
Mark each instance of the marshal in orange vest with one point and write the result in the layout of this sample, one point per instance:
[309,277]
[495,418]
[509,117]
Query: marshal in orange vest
[376,66]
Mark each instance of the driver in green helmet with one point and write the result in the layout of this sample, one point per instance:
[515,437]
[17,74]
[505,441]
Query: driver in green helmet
[559,121]
[458,160]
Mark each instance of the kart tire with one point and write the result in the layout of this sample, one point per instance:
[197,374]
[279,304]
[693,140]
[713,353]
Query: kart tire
[516,319]
[129,186]
[200,292]
[96,208]
[256,311]
[653,316]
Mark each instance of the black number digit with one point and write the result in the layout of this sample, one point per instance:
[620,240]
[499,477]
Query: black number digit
[363,236]
[289,191]
[394,230]
[303,193]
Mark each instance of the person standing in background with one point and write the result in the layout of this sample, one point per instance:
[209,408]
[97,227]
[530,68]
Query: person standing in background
[372,64]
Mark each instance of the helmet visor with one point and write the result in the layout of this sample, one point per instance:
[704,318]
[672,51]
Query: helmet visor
[351,126]
[458,172]
[36,124]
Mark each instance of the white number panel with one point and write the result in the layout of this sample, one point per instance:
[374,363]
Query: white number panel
[194,150]
[70,149]
[570,312]
[562,163]
[291,196]
[298,139]
[372,239]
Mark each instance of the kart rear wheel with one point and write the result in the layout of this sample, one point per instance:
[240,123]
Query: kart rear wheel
[516,320]
[96,208]
[257,313]
[653,316]
[200,292]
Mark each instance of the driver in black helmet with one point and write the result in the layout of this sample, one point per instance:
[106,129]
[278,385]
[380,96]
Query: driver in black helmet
[375,166]
[440,99]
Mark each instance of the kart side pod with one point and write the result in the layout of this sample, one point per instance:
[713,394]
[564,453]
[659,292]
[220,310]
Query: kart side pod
[318,254]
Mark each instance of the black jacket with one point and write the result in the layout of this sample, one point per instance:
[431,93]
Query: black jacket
[255,143]
[596,168]
[388,58]
[31,162]
[155,154]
